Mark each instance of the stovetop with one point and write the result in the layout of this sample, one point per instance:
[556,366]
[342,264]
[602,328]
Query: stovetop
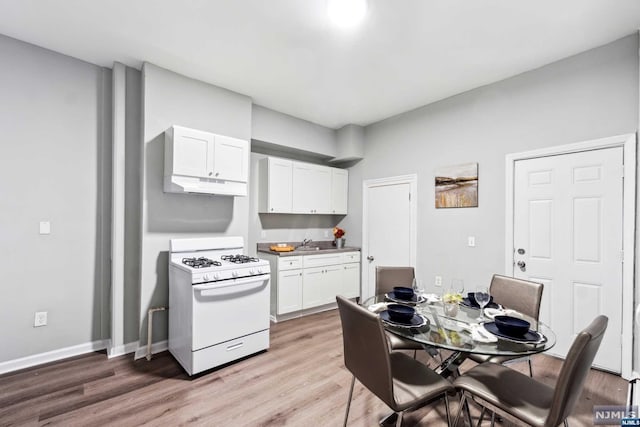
[239,259]
[201,262]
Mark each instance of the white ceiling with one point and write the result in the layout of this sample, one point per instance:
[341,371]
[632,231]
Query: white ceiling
[286,55]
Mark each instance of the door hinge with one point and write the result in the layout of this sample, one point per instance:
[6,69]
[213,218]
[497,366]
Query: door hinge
[622,256]
[409,196]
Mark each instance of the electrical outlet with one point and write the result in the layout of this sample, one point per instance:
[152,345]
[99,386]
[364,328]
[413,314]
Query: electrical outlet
[40,319]
[471,241]
[45,227]
[438,280]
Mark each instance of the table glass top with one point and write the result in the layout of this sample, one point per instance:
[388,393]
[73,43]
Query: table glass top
[463,332]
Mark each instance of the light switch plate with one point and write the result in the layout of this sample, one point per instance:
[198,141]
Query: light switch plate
[40,319]
[45,227]
[472,241]
[438,281]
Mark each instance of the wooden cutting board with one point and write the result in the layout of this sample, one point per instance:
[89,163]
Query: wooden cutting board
[281,248]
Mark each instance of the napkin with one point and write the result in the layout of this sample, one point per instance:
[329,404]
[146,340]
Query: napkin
[376,308]
[493,312]
[480,334]
[431,298]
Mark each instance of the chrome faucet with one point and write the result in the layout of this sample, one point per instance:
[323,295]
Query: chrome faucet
[305,242]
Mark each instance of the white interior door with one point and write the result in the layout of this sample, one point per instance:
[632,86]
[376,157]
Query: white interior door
[388,227]
[568,222]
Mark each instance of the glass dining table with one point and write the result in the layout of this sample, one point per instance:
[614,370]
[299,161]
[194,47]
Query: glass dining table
[462,333]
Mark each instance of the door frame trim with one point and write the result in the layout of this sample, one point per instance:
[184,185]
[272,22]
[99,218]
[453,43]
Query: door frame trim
[628,143]
[412,180]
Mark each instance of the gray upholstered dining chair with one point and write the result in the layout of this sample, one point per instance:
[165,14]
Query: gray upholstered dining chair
[386,279]
[395,378]
[512,393]
[521,295]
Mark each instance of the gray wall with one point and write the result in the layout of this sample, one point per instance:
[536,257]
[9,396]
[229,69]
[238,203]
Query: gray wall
[55,121]
[172,99]
[587,96]
[278,130]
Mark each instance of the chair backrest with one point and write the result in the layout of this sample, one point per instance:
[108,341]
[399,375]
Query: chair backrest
[366,353]
[521,295]
[575,370]
[388,277]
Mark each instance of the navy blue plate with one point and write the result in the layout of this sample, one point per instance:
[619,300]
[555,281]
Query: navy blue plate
[416,299]
[529,337]
[415,322]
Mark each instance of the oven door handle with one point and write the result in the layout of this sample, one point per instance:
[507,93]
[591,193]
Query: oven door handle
[236,282]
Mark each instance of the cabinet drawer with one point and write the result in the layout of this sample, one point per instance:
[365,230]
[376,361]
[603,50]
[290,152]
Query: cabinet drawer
[348,257]
[320,260]
[289,262]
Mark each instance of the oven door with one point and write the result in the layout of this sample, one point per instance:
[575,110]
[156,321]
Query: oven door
[229,309]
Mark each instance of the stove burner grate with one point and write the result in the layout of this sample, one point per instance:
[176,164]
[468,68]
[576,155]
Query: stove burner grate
[238,259]
[200,262]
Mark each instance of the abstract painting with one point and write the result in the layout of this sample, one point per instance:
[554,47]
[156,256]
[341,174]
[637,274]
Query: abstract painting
[457,186]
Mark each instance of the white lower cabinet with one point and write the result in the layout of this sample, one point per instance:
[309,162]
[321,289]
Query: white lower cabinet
[350,285]
[302,283]
[320,285]
[289,291]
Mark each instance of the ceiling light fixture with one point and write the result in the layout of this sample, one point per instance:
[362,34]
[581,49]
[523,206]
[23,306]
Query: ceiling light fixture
[346,13]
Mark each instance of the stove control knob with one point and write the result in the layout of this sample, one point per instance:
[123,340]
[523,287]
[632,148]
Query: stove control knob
[234,274]
[205,277]
[251,272]
[216,276]
[259,271]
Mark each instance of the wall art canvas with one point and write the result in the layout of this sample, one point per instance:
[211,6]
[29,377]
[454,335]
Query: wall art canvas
[457,186]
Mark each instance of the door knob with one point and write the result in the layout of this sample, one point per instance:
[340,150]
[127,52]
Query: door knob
[370,258]
[521,251]
[521,264]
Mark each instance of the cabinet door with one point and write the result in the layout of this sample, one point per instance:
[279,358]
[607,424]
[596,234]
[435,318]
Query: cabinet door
[230,159]
[192,150]
[279,186]
[350,284]
[311,188]
[339,190]
[320,285]
[289,291]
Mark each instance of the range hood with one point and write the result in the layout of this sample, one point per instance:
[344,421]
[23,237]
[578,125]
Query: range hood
[201,162]
[189,184]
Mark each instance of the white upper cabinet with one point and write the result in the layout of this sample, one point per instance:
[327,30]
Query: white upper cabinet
[276,184]
[288,186]
[311,188]
[190,152]
[230,159]
[203,162]
[339,190]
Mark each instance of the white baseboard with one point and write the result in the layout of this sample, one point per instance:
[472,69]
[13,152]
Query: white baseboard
[51,356]
[156,347]
[121,350]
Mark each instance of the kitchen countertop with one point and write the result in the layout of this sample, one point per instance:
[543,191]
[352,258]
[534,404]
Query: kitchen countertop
[324,247]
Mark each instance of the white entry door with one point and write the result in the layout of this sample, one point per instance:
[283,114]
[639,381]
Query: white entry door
[568,235]
[389,223]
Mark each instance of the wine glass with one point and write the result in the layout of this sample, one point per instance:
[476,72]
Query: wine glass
[418,287]
[457,286]
[482,298]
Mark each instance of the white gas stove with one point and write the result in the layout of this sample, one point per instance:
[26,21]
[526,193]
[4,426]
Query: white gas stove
[218,302]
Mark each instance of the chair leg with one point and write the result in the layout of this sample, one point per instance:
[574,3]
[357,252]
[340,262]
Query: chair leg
[493,418]
[566,423]
[446,408]
[530,367]
[399,420]
[463,400]
[481,416]
[346,415]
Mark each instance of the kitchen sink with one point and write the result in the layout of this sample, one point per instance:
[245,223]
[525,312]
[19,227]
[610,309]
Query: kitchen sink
[308,248]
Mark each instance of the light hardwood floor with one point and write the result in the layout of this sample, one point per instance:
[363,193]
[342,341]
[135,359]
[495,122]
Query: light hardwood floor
[299,381]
